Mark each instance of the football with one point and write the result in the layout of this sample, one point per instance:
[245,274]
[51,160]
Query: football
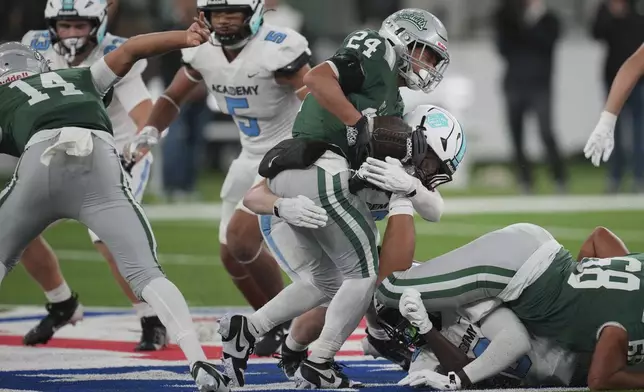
[391,137]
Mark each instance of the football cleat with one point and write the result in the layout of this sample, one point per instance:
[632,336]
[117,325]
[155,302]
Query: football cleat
[208,378]
[271,342]
[290,361]
[237,343]
[328,375]
[392,350]
[153,335]
[59,314]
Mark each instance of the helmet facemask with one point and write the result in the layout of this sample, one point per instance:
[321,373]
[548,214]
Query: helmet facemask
[428,76]
[71,47]
[239,39]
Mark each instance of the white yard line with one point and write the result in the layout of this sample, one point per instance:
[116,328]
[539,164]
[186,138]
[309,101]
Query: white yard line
[453,206]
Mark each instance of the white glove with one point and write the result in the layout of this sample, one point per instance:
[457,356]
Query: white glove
[388,175]
[300,211]
[602,140]
[400,205]
[412,308]
[141,143]
[432,379]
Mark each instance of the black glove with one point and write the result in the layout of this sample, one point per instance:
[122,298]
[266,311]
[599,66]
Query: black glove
[127,165]
[419,146]
[358,138]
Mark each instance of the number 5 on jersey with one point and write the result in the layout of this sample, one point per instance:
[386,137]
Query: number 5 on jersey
[248,126]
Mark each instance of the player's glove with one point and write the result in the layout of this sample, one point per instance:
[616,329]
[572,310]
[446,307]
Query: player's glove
[432,379]
[389,175]
[412,308]
[300,211]
[602,140]
[141,144]
[358,139]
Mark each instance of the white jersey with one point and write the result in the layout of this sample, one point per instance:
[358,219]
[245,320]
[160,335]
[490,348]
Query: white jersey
[128,92]
[545,364]
[245,88]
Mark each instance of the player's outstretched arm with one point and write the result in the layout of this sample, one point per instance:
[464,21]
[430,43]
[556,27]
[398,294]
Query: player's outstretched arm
[608,369]
[121,60]
[627,77]
[602,140]
[118,63]
[602,243]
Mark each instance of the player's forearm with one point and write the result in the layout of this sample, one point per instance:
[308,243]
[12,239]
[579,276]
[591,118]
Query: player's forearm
[324,86]
[302,92]
[163,113]
[121,60]
[260,200]
[398,245]
[627,77]
[451,358]
[622,379]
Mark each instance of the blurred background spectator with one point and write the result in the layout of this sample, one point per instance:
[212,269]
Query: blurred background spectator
[619,24]
[191,161]
[526,33]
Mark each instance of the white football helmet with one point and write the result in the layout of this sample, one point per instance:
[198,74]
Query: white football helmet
[413,28]
[445,138]
[254,10]
[94,11]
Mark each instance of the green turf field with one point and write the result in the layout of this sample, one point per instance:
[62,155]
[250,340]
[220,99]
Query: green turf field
[189,253]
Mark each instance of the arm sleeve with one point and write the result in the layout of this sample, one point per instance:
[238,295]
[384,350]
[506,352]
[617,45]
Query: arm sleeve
[103,77]
[509,341]
[428,204]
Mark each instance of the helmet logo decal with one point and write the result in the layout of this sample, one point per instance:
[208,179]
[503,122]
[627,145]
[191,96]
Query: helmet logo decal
[68,5]
[415,18]
[437,120]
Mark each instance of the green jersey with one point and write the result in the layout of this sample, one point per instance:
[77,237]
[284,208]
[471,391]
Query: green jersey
[573,300]
[51,100]
[379,90]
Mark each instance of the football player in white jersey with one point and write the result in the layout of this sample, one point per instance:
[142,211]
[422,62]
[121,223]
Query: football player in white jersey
[77,37]
[301,211]
[487,350]
[254,70]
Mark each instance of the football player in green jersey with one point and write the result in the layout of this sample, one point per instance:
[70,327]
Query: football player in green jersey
[69,168]
[591,305]
[331,136]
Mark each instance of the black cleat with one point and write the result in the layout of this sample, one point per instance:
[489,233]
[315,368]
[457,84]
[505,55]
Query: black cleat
[328,375]
[238,344]
[60,314]
[153,335]
[271,342]
[290,361]
[392,350]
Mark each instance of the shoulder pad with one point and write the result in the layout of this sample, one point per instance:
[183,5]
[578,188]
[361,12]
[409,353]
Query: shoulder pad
[111,42]
[37,39]
[281,46]
[188,55]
